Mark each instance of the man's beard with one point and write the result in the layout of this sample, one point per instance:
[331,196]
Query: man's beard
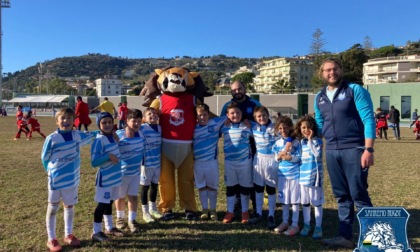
[238,97]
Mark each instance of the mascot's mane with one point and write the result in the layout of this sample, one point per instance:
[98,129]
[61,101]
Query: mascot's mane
[158,80]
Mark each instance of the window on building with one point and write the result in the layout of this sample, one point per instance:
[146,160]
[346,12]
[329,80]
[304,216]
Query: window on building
[384,103]
[405,107]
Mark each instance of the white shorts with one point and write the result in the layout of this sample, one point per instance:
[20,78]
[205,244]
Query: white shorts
[106,194]
[206,173]
[312,195]
[69,196]
[149,175]
[238,172]
[130,185]
[288,191]
[265,170]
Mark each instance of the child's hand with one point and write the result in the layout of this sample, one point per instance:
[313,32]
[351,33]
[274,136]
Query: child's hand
[311,134]
[247,123]
[287,157]
[280,156]
[114,159]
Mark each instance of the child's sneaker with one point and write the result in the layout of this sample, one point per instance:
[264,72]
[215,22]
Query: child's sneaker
[281,228]
[53,245]
[292,230]
[205,214]
[305,230]
[213,215]
[271,224]
[115,232]
[120,223]
[155,214]
[168,215]
[317,233]
[133,226]
[72,240]
[99,237]
[228,217]
[245,217]
[147,218]
[256,219]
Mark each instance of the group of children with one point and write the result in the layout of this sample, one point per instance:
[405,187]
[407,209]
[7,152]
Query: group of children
[22,122]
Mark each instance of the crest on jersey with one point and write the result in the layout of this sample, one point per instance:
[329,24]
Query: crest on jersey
[176,117]
[383,229]
[341,96]
[210,129]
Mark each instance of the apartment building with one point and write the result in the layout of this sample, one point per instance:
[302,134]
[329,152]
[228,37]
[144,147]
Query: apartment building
[108,87]
[392,69]
[296,71]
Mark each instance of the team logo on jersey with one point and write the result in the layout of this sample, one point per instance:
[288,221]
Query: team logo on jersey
[249,110]
[321,101]
[176,117]
[341,96]
[210,129]
[107,195]
[383,229]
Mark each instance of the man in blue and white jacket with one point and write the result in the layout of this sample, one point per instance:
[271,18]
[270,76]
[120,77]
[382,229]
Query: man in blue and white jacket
[344,113]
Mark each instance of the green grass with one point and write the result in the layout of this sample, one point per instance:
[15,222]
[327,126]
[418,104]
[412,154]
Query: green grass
[394,181]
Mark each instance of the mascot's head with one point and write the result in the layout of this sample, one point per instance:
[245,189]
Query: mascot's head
[175,80]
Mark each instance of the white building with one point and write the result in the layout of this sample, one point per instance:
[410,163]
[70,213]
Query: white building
[108,87]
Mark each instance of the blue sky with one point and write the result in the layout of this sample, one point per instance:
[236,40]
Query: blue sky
[39,30]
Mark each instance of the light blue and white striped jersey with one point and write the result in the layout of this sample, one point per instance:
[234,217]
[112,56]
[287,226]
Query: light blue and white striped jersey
[152,145]
[264,137]
[109,174]
[61,159]
[206,138]
[236,144]
[288,169]
[311,170]
[132,152]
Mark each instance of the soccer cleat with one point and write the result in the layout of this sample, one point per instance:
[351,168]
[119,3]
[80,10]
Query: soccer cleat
[292,230]
[114,232]
[281,228]
[147,218]
[99,237]
[245,217]
[271,224]
[305,230]
[189,215]
[213,215]
[338,242]
[120,223]
[228,217]
[16,138]
[256,219]
[53,245]
[133,226]
[155,214]
[169,215]
[205,214]
[317,233]
[72,240]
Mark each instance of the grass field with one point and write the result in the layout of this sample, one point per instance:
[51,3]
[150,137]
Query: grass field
[394,181]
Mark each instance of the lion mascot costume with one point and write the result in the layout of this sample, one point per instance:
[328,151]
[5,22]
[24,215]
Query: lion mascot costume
[174,92]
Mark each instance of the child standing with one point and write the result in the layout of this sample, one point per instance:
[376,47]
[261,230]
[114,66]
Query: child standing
[150,171]
[131,147]
[105,154]
[311,175]
[206,165]
[288,176]
[381,123]
[21,123]
[238,162]
[61,159]
[35,126]
[265,166]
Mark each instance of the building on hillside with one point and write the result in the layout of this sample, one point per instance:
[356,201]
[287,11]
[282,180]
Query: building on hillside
[245,69]
[392,69]
[108,87]
[297,72]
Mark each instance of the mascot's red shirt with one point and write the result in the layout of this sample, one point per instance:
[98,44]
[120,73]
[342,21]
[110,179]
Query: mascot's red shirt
[177,117]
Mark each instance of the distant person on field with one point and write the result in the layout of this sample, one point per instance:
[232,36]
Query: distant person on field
[82,114]
[107,106]
[122,115]
[381,123]
[394,118]
[61,159]
[414,117]
[21,123]
[35,126]
[416,130]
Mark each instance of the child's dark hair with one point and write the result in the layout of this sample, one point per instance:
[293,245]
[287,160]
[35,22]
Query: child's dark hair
[149,109]
[311,124]
[285,120]
[203,106]
[260,109]
[233,105]
[134,113]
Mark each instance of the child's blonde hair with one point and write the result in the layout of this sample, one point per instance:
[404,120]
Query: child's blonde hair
[65,111]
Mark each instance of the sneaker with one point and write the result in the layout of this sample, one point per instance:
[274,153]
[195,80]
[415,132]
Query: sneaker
[189,215]
[281,228]
[245,217]
[99,237]
[292,230]
[155,214]
[228,217]
[169,215]
[305,230]
[133,226]
[16,138]
[338,242]
[147,218]
[53,245]
[205,214]
[120,223]
[28,139]
[115,232]
[317,233]
[213,215]
[72,240]
[271,224]
[256,219]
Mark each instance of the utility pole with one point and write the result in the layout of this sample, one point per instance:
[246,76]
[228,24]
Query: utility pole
[4,4]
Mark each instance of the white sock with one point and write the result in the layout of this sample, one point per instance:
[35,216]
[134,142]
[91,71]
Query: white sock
[97,227]
[231,203]
[318,215]
[259,200]
[152,206]
[50,220]
[245,202]
[204,198]
[295,215]
[306,210]
[271,204]
[285,216]
[213,199]
[132,215]
[120,214]
[145,209]
[68,221]
[108,222]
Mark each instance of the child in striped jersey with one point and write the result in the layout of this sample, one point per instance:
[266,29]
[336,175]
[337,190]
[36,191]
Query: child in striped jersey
[150,171]
[105,154]
[311,175]
[206,165]
[61,159]
[288,176]
[131,147]
[265,166]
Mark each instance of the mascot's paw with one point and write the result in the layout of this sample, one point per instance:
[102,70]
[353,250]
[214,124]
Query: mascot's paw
[189,215]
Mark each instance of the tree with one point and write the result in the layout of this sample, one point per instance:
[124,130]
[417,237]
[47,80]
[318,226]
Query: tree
[317,50]
[367,44]
[386,51]
[246,78]
[353,60]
